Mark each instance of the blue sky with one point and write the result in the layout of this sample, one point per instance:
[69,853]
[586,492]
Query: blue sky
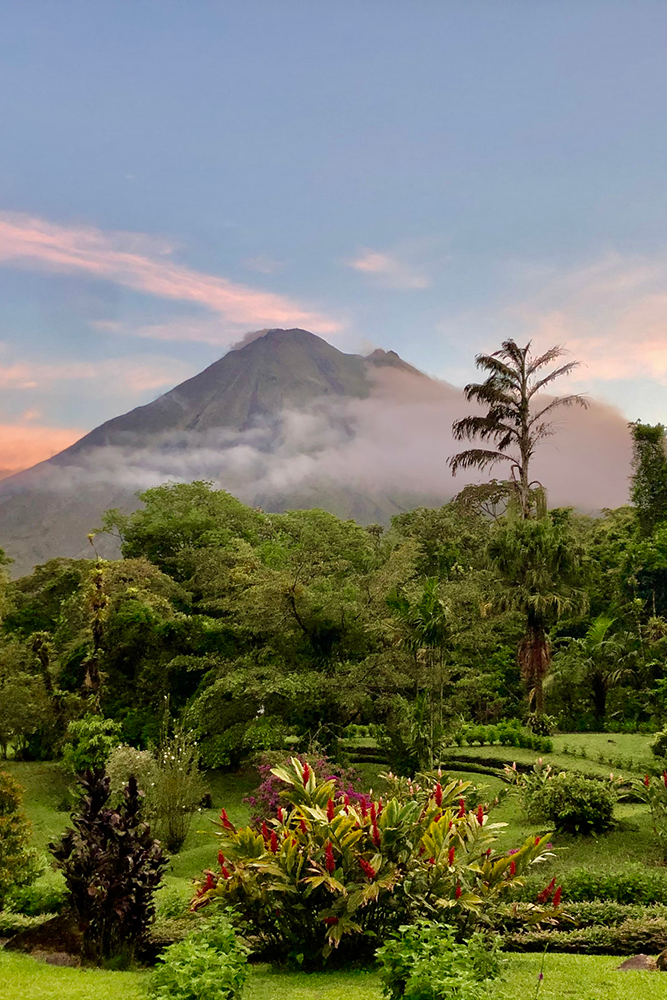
[429,177]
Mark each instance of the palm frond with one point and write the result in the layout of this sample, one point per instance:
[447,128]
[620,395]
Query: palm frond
[576,399]
[476,458]
[556,373]
[483,427]
[557,351]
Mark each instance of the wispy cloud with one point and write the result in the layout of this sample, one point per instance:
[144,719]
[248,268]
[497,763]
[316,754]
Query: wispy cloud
[611,314]
[144,264]
[389,270]
[118,377]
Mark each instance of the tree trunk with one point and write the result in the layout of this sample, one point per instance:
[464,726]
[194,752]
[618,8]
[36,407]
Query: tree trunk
[535,659]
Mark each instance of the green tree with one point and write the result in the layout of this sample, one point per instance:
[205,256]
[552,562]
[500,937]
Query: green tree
[595,661]
[649,478]
[514,381]
[18,864]
[539,563]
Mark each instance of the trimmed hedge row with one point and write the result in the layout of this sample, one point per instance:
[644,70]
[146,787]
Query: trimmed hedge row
[627,938]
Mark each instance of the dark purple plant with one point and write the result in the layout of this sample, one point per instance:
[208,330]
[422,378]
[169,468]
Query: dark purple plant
[266,800]
[112,867]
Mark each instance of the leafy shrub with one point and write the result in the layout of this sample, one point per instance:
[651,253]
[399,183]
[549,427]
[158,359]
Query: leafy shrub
[654,791]
[112,867]
[178,789]
[326,871]
[88,743]
[126,761]
[18,864]
[35,900]
[422,961]
[210,964]
[659,744]
[266,798]
[571,802]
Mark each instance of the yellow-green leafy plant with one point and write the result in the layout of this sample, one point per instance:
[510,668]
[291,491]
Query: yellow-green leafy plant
[328,871]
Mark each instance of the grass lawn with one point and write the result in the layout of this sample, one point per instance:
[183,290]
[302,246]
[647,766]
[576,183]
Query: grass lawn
[580,977]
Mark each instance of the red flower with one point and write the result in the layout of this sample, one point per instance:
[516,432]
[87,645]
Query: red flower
[450,857]
[306,773]
[330,921]
[329,860]
[364,808]
[376,836]
[373,813]
[512,867]
[462,808]
[480,814]
[273,843]
[280,814]
[221,858]
[537,840]
[431,861]
[346,803]
[557,895]
[458,891]
[265,830]
[380,806]
[302,825]
[664,778]
[224,819]
[647,780]
[437,795]
[330,810]
[367,869]
[545,895]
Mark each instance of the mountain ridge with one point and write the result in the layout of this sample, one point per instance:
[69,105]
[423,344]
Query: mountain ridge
[49,509]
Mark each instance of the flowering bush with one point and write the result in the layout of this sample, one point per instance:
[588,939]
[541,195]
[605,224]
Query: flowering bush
[327,870]
[266,798]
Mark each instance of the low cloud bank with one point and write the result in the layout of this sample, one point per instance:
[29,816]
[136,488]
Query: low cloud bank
[396,442]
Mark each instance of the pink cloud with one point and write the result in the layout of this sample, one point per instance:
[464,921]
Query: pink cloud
[143,264]
[612,315]
[115,376]
[24,446]
[389,270]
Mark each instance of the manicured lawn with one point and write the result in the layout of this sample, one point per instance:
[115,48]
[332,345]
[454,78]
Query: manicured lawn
[580,977]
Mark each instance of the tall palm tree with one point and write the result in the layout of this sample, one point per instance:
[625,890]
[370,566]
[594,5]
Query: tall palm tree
[511,422]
